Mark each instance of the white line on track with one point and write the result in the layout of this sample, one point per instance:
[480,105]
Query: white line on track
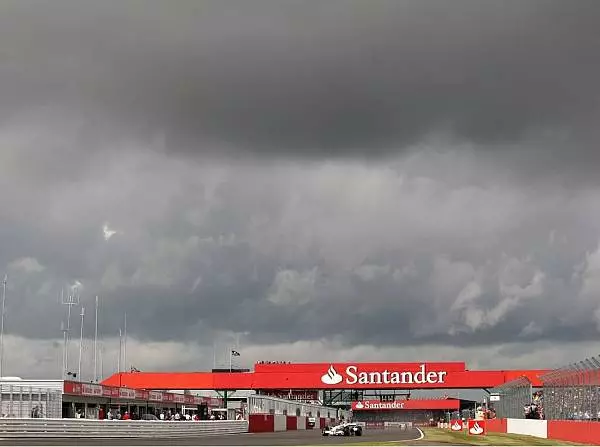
[421,436]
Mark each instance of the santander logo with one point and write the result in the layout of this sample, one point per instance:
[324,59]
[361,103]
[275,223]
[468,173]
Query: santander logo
[476,429]
[456,426]
[354,376]
[359,405]
[331,377]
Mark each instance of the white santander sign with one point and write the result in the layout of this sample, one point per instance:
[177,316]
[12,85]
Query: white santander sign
[354,376]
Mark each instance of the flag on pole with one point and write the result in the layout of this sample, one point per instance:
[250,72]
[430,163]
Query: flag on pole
[235,353]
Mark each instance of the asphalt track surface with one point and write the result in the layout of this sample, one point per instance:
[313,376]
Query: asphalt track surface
[293,438]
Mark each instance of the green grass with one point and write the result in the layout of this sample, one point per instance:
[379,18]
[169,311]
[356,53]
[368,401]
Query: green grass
[438,436]
[442,436]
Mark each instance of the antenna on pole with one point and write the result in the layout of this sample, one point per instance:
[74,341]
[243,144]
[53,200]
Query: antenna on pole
[120,351]
[72,299]
[96,344]
[101,360]
[2,325]
[80,344]
[125,342]
[214,355]
[64,331]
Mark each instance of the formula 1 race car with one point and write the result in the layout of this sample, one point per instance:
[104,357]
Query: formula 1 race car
[347,429]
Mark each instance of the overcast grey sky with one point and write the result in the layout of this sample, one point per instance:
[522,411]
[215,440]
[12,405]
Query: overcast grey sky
[335,180]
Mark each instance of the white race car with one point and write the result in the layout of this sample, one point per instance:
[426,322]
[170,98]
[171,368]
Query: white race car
[347,429]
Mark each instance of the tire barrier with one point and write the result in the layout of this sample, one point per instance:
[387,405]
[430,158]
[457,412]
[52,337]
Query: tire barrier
[90,428]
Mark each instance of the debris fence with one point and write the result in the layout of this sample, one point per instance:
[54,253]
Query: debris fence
[572,392]
[568,393]
[513,397]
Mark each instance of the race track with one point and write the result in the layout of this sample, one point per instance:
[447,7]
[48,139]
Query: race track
[289,438]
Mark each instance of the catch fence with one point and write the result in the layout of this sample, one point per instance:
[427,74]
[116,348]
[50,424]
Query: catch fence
[513,397]
[573,391]
[568,393]
[17,401]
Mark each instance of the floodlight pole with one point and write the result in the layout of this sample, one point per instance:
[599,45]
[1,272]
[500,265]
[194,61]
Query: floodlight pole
[96,344]
[80,344]
[2,326]
[72,300]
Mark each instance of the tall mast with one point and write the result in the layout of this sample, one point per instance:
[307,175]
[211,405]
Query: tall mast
[96,343]
[80,344]
[2,326]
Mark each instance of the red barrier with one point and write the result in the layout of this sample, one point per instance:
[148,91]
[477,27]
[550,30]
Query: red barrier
[575,431]
[496,425]
[261,423]
[292,423]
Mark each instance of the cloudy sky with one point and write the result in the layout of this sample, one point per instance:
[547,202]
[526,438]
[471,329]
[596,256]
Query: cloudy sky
[335,180]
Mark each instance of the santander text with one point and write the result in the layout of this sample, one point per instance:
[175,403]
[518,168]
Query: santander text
[354,376]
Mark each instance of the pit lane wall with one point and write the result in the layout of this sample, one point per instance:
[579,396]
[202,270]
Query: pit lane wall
[45,429]
[270,414]
[574,431]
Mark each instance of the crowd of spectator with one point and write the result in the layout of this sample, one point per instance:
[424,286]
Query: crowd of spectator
[274,362]
[535,410]
[573,403]
[116,414]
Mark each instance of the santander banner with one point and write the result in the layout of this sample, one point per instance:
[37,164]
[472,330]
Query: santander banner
[409,404]
[354,375]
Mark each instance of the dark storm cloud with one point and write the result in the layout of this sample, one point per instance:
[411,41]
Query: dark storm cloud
[437,245]
[306,78]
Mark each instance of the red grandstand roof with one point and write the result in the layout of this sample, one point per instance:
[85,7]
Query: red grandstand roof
[425,375]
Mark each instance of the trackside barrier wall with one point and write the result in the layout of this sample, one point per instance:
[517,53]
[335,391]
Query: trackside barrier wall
[496,425]
[301,421]
[573,431]
[292,422]
[530,427]
[280,422]
[272,405]
[261,423]
[91,428]
[267,414]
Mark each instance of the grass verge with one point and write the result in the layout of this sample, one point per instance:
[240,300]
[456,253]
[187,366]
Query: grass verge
[438,436]
[441,436]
